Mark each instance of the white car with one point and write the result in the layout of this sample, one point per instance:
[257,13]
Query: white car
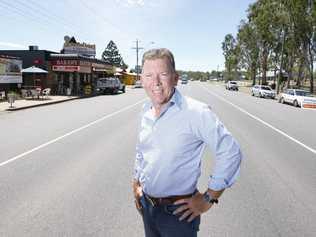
[263,91]
[298,98]
[184,81]
[138,84]
[232,85]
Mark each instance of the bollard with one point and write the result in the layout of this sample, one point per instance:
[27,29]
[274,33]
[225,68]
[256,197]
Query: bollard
[11,99]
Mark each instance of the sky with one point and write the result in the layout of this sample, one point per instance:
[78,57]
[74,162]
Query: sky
[192,29]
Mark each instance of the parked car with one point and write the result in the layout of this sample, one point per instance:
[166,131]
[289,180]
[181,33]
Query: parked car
[232,85]
[110,85]
[184,81]
[138,84]
[298,98]
[263,91]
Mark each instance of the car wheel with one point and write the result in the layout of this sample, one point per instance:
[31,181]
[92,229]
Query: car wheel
[295,103]
[260,95]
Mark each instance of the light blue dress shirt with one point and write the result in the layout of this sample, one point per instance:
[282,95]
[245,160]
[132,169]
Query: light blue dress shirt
[170,148]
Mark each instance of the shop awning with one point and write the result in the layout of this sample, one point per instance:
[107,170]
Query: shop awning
[33,69]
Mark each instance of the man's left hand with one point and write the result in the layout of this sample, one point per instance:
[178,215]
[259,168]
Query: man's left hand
[192,207]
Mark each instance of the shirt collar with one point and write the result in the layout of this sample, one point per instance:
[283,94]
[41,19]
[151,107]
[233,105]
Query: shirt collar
[176,99]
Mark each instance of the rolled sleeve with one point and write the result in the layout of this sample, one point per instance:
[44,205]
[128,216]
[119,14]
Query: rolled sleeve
[226,150]
[139,154]
[138,161]
[225,172]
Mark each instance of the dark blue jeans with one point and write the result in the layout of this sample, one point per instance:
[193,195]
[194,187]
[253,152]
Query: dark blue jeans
[160,222]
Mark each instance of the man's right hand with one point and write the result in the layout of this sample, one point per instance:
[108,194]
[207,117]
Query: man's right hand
[138,193]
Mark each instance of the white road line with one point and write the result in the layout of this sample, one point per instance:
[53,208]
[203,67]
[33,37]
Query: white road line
[261,121]
[69,133]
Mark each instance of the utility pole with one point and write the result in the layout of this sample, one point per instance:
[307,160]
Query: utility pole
[280,77]
[137,50]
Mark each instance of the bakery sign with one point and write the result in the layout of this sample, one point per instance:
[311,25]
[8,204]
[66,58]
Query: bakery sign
[71,65]
[71,46]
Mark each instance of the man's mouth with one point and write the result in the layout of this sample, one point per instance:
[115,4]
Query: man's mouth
[157,91]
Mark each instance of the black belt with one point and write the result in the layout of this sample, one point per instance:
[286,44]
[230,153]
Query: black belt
[165,200]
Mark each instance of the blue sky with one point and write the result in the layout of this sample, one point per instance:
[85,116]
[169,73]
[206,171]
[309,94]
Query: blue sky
[192,29]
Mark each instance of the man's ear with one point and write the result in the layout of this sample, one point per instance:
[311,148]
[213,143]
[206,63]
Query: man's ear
[176,78]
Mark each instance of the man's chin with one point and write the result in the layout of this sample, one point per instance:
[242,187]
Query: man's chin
[159,102]
[157,98]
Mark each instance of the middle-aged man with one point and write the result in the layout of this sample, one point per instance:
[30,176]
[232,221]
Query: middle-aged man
[174,132]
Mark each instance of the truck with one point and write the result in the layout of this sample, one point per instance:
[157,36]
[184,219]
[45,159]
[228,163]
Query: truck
[232,85]
[110,85]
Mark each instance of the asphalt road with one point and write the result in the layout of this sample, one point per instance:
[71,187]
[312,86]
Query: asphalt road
[66,169]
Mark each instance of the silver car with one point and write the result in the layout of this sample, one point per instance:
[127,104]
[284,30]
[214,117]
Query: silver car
[263,91]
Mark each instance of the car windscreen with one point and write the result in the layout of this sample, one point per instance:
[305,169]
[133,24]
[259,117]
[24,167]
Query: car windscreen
[266,88]
[302,93]
[232,82]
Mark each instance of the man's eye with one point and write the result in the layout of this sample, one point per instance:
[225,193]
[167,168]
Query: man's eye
[163,75]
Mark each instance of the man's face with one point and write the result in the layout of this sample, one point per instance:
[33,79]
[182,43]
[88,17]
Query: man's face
[158,80]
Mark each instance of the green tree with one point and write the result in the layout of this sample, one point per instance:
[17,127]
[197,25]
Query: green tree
[302,20]
[112,56]
[278,35]
[263,14]
[249,50]
[230,51]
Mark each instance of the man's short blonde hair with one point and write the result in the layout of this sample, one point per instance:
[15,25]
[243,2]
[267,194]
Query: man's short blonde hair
[159,54]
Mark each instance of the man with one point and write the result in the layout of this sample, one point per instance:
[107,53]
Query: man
[174,131]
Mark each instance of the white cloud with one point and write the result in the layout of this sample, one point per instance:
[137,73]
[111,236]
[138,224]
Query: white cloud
[12,45]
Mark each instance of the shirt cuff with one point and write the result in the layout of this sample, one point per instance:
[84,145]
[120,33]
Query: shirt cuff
[218,184]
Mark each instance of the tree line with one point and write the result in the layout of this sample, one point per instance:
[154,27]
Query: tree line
[277,36]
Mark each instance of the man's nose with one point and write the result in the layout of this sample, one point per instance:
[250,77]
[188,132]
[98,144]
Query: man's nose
[157,80]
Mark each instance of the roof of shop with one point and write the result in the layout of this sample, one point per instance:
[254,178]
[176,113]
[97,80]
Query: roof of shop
[33,69]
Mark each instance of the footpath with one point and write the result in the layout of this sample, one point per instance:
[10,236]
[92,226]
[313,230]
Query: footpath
[30,103]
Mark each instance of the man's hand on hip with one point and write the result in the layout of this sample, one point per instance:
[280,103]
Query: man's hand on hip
[138,193]
[192,207]
[137,190]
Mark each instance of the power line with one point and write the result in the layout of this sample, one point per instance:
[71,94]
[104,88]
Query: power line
[104,19]
[17,11]
[42,16]
[55,17]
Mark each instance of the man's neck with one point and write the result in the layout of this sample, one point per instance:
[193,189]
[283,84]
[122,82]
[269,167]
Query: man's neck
[157,109]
